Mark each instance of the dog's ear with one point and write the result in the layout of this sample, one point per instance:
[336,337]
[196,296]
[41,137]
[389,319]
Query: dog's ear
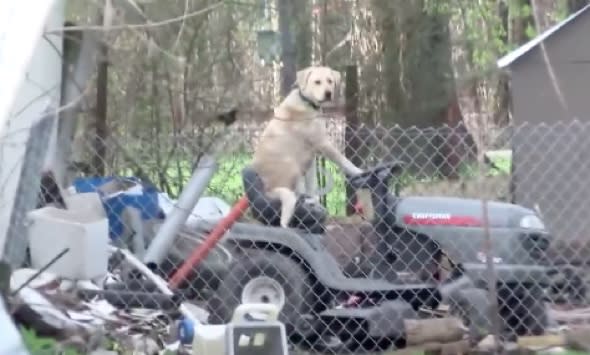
[337,77]
[303,77]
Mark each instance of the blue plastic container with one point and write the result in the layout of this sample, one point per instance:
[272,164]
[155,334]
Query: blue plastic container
[186,331]
[146,202]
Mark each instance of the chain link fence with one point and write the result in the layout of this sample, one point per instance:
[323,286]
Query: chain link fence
[418,245]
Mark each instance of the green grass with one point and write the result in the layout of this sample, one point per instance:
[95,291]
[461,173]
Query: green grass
[38,345]
[227,182]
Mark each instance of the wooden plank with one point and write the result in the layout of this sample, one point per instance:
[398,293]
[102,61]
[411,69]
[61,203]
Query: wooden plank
[437,330]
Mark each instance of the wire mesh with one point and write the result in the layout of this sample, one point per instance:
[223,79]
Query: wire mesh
[414,249]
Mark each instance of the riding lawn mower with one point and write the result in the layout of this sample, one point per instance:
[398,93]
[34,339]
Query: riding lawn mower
[425,252]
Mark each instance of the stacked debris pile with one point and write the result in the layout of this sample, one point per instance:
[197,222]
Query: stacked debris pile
[122,312]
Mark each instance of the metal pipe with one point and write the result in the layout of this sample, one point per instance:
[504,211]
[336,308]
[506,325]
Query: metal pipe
[132,218]
[201,251]
[164,239]
[155,279]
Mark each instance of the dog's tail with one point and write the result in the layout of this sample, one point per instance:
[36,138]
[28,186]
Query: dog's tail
[288,201]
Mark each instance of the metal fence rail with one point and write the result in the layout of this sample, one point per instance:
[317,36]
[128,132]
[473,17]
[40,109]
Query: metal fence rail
[26,195]
[416,249]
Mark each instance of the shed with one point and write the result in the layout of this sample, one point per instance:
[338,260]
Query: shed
[551,117]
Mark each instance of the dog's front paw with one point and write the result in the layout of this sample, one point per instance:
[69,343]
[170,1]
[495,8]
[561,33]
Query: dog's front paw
[357,171]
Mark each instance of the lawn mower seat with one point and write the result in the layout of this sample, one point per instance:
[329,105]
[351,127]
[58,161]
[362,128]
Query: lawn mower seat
[308,216]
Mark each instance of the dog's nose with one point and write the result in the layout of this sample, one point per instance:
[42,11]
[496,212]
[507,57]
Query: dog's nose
[328,95]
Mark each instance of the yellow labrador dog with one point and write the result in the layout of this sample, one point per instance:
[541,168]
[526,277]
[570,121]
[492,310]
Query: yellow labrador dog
[294,136]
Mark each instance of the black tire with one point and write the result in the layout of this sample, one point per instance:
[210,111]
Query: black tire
[567,285]
[299,296]
[523,309]
[472,305]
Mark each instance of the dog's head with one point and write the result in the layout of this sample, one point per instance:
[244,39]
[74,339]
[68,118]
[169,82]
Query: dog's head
[318,84]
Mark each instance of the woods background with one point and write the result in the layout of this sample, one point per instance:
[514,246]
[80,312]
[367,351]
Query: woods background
[422,67]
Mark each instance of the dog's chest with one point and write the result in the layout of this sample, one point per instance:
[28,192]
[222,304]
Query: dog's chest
[308,133]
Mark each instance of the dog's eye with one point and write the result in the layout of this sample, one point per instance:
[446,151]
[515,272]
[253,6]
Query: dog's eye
[317,82]
[329,81]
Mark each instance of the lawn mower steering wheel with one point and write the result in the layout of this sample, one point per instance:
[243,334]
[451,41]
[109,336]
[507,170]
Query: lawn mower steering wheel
[382,172]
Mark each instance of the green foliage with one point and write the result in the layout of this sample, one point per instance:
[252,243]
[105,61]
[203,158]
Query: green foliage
[43,345]
[432,7]
[530,31]
[562,10]
[485,34]
[483,31]
[227,182]
[517,10]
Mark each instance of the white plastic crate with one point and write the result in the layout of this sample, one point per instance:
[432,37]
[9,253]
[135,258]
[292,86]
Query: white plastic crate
[85,231]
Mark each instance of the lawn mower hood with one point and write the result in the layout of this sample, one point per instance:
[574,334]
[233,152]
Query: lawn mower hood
[458,212]
[518,235]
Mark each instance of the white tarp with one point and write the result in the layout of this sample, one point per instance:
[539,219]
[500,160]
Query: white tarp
[11,343]
[30,68]
[207,209]
[21,26]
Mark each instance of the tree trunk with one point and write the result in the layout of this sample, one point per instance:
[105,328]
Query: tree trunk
[303,34]
[353,144]
[516,24]
[101,127]
[321,161]
[455,142]
[288,53]
[502,104]
[576,5]
[417,63]
[420,87]
[78,66]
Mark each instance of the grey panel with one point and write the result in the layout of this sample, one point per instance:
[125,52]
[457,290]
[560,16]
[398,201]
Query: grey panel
[551,170]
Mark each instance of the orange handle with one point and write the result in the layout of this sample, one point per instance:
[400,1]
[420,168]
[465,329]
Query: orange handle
[211,240]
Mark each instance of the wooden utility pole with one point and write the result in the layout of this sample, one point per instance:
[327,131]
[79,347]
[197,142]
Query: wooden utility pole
[351,137]
[576,5]
[100,125]
[288,52]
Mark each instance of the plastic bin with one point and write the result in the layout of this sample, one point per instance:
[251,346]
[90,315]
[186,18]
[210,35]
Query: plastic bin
[83,231]
[140,196]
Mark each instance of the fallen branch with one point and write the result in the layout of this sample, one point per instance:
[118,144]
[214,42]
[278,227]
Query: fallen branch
[436,330]
[575,339]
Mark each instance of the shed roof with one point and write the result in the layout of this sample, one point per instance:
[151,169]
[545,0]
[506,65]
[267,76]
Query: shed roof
[516,54]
